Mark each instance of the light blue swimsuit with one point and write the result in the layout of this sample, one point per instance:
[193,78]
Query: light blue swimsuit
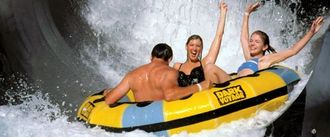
[251,64]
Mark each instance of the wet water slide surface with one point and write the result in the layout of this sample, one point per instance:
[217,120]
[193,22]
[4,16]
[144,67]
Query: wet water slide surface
[317,108]
[32,44]
[42,40]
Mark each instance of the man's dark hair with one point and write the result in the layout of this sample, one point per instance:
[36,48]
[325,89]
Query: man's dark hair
[163,51]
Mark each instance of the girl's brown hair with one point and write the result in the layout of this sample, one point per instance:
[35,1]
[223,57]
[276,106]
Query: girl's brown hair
[265,40]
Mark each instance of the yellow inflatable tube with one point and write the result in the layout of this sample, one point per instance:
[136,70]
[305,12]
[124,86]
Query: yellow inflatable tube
[235,99]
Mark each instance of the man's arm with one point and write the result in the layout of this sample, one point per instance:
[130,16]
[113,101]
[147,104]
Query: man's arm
[113,95]
[171,88]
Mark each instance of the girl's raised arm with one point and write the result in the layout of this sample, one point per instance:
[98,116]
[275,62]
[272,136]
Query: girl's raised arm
[281,56]
[245,29]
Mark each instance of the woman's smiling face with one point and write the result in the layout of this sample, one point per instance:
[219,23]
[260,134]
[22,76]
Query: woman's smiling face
[194,49]
[256,45]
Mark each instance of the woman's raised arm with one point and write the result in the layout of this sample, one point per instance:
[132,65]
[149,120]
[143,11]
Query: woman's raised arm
[213,53]
[281,56]
[245,29]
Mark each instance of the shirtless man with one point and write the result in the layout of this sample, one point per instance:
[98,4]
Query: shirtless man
[154,81]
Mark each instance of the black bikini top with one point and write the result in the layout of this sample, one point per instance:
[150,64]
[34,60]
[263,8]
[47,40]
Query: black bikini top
[196,76]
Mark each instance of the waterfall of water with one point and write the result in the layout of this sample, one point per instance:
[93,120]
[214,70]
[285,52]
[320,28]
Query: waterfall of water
[127,31]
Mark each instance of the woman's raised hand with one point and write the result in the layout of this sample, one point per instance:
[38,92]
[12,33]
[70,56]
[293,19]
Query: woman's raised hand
[316,25]
[252,7]
[223,6]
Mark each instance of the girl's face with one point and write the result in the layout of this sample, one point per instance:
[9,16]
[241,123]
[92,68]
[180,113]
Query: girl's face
[194,49]
[256,45]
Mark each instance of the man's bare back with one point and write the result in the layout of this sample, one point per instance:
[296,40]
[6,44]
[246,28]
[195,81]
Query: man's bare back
[146,81]
[153,81]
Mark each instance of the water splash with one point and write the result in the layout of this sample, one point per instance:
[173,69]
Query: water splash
[127,31]
[33,114]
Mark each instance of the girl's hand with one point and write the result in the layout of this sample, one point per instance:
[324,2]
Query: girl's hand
[316,25]
[252,7]
[223,7]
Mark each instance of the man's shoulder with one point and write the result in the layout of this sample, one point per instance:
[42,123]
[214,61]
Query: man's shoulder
[170,71]
[159,70]
[140,68]
[177,65]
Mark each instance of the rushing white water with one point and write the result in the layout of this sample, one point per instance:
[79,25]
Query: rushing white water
[127,30]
